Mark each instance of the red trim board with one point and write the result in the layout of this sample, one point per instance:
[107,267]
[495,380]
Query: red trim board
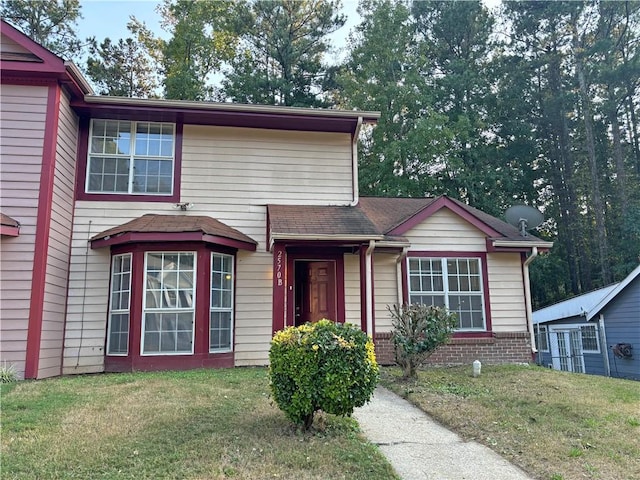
[43,224]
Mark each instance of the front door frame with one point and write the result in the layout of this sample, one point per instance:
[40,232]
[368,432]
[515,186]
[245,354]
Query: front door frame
[335,255]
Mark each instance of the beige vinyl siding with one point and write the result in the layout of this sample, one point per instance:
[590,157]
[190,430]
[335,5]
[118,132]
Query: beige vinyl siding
[445,231]
[22,122]
[352,289]
[506,290]
[253,307]
[9,46]
[386,289]
[254,166]
[229,174]
[57,274]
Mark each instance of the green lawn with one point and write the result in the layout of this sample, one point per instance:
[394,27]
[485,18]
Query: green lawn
[555,425]
[200,424]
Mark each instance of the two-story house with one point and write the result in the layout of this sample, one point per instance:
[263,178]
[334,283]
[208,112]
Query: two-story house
[146,234]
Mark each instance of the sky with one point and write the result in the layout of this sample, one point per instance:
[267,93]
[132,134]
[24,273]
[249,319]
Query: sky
[109,18]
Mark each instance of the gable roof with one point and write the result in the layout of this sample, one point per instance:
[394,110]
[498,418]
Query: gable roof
[613,293]
[573,307]
[163,228]
[32,60]
[384,219]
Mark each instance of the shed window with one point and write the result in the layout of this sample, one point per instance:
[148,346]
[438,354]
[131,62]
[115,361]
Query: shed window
[542,338]
[590,342]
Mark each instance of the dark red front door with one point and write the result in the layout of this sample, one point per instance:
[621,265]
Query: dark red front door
[315,291]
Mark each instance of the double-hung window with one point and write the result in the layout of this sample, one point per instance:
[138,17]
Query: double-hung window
[221,314]
[169,303]
[131,157]
[454,283]
[118,335]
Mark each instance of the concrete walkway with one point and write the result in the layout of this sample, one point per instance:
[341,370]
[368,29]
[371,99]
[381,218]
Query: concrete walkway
[420,448]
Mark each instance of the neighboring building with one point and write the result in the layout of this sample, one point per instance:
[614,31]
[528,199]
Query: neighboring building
[596,333]
[156,234]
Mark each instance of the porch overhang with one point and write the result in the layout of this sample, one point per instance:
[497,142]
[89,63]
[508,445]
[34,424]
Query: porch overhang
[172,228]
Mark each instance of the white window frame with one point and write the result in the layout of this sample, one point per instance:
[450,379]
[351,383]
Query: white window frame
[146,310]
[230,309]
[445,287]
[132,157]
[540,331]
[594,327]
[119,311]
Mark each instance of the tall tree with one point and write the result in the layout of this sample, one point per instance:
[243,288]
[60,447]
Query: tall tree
[122,68]
[280,59]
[203,37]
[51,23]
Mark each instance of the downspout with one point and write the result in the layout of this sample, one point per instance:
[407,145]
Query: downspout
[354,163]
[527,298]
[369,285]
[399,261]
[603,345]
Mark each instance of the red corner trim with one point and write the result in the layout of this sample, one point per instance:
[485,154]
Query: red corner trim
[280,267]
[443,202]
[43,224]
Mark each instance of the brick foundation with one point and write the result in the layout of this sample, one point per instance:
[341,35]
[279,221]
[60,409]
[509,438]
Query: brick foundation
[507,347]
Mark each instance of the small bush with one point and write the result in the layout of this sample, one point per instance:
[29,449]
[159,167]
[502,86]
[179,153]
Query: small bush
[417,331]
[8,373]
[321,366]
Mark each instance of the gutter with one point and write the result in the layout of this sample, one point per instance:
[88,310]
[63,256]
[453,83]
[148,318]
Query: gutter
[354,163]
[399,261]
[233,107]
[527,297]
[75,73]
[603,345]
[368,267]
[523,243]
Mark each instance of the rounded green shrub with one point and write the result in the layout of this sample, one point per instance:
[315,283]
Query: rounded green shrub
[321,366]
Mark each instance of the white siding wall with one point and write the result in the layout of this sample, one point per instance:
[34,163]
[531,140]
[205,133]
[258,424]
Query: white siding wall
[386,289]
[57,274]
[8,45]
[352,289]
[229,174]
[445,231]
[22,121]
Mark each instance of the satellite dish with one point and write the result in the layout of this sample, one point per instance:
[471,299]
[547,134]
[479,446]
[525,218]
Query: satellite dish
[523,217]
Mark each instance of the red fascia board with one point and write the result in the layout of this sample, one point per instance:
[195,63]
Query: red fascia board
[443,202]
[9,231]
[155,237]
[54,62]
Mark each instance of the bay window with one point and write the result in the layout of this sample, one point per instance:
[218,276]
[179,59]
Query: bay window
[221,304]
[118,334]
[169,307]
[454,283]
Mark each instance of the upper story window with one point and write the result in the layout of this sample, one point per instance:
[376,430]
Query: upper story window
[455,283]
[131,157]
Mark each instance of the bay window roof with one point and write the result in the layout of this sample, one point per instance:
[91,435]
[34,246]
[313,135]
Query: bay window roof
[165,228]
